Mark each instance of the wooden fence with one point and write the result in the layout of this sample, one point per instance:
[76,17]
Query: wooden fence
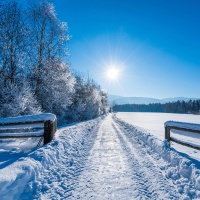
[50,128]
[188,129]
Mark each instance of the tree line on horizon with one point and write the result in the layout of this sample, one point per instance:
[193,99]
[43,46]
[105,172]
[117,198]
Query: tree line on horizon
[183,107]
[35,74]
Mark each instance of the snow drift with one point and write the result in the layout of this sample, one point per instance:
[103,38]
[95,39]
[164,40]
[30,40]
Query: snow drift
[183,171]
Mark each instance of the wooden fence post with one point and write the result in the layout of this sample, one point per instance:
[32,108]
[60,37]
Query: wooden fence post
[167,134]
[49,130]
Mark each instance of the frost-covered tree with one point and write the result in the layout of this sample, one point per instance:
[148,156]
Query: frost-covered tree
[76,109]
[92,100]
[13,43]
[57,89]
[17,101]
[33,47]
[104,101]
[89,100]
[49,38]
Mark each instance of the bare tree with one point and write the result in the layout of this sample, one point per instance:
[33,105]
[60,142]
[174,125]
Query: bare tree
[13,43]
[49,39]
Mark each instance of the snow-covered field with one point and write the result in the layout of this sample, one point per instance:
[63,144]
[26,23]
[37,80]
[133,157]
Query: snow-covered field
[104,158]
[153,123]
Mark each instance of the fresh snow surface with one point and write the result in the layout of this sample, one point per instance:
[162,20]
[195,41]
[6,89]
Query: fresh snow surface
[183,125]
[181,169]
[153,124]
[28,118]
[104,158]
[17,145]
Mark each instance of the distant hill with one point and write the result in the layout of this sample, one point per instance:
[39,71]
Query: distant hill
[143,100]
[178,98]
[114,97]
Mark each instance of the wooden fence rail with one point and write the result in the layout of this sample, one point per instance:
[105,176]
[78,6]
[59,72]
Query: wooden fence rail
[169,127]
[50,128]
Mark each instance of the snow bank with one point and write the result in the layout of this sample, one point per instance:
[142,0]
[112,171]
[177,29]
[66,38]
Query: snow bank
[13,179]
[183,125]
[39,175]
[179,168]
[28,118]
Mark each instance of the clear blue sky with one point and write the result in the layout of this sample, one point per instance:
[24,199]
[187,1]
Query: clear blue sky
[156,41]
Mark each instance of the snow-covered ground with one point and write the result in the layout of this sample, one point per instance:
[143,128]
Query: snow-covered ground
[153,123]
[49,172]
[104,158]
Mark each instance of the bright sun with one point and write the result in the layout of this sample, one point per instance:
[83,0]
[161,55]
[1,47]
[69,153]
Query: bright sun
[112,73]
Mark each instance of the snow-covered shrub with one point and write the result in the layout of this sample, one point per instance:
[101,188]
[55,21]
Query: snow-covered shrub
[76,109]
[56,89]
[89,100]
[104,101]
[17,101]
[93,103]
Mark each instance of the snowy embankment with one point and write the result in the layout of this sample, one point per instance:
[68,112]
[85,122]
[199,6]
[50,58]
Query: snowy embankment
[24,174]
[104,158]
[183,170]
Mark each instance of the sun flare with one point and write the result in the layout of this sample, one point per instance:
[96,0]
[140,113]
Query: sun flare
[112,73]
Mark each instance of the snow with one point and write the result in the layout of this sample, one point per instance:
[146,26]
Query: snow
[18,145]
[29,126]
[47,172]
[117,168]
[183,125]
[103,158]
[29,118]
[180,168]
[153,124]
[35,133]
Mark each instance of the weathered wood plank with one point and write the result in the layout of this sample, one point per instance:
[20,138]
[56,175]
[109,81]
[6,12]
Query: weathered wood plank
[185,144]
[167,136]
[25,126]
[21,123]
[167,133]
[49,130]
[183,129]
[20,136]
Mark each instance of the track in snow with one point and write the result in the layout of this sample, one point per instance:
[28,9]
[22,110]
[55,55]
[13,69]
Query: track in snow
[95,159]
[117,168]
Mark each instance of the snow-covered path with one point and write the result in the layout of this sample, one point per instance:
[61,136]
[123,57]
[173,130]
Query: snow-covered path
[95,159]
[117,168]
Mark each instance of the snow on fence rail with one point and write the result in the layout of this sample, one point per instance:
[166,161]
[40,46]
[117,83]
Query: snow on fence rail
[47,121]
[181,126]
